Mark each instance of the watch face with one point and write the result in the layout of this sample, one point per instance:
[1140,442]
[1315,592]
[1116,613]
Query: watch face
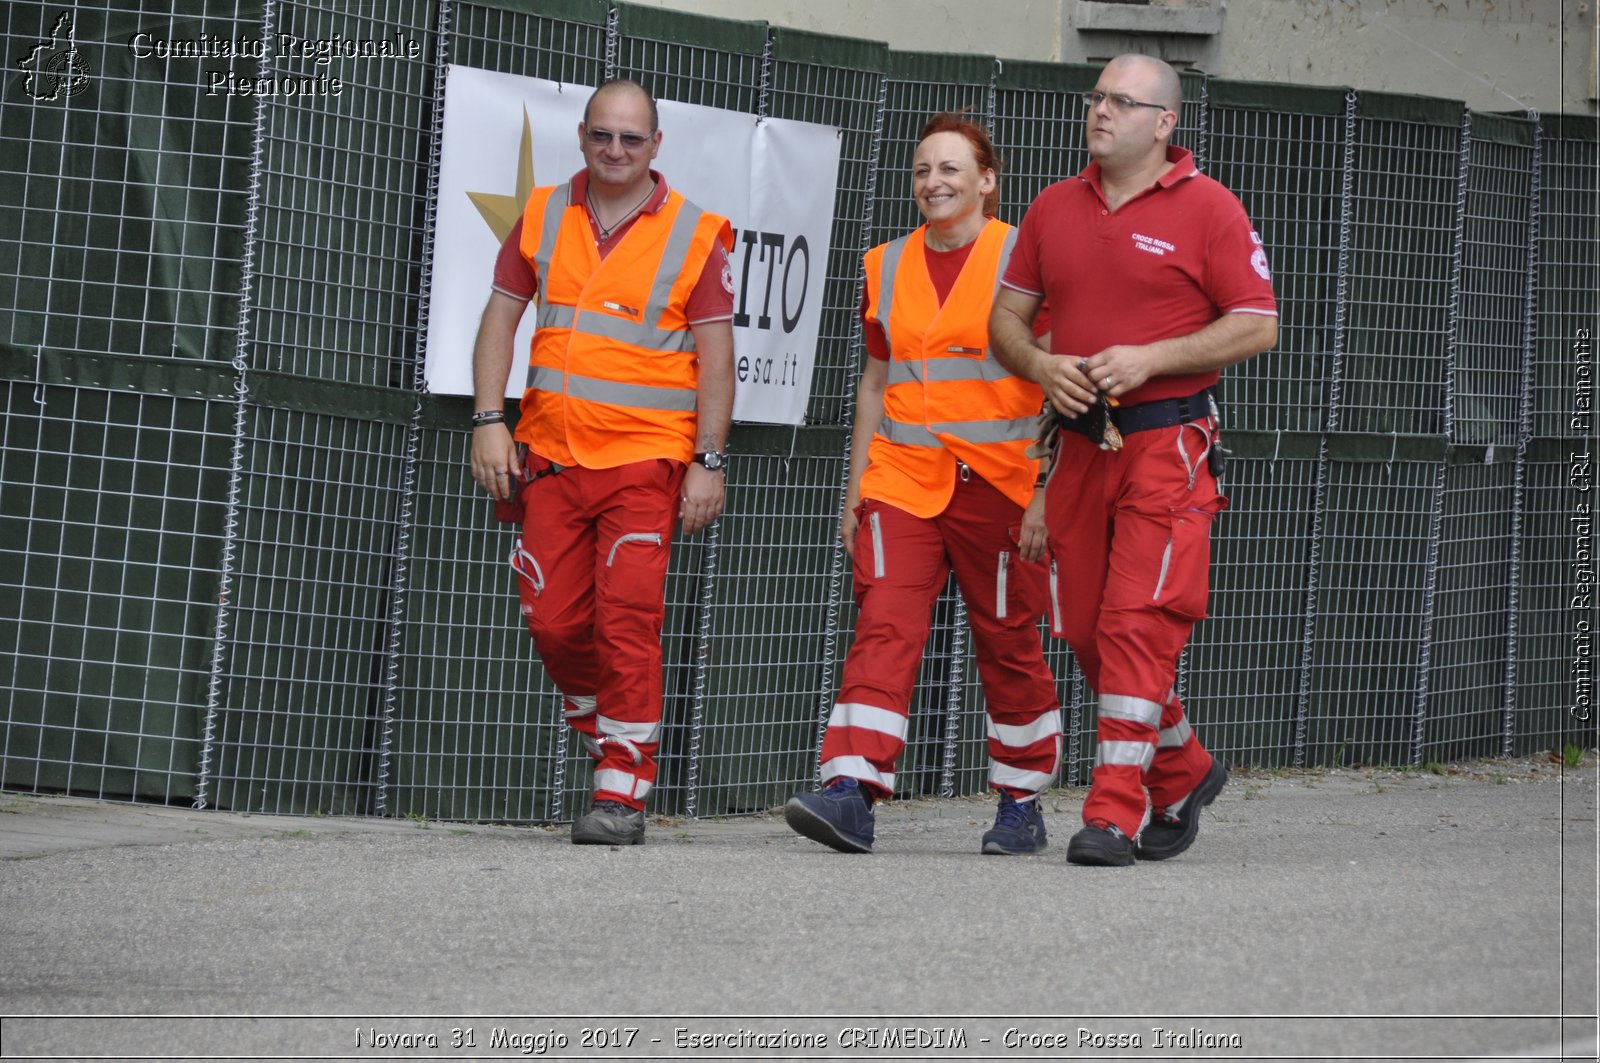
[711,460]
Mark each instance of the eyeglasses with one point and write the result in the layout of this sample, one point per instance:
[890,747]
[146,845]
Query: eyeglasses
[1118,101]
[602,137]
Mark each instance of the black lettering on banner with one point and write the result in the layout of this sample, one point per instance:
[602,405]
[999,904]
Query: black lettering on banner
[773,255]
[774,241]
[796,249]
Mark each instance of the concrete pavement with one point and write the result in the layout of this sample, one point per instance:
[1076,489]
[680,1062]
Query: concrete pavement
[1335,914]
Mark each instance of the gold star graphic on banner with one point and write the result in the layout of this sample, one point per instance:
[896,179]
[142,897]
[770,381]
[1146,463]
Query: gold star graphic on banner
[501,212]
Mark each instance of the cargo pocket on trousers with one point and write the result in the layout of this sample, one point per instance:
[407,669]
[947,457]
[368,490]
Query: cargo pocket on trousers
[530,578]
[1183,576]
[869,563]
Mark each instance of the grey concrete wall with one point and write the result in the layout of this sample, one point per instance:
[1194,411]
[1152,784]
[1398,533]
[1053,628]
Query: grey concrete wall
[1494,55]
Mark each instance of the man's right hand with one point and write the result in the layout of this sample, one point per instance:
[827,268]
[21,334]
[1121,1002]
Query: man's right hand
[494,461]
[1067,385]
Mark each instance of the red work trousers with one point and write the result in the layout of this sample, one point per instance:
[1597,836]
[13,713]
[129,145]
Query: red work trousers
[901,563]
[592,569]
[1131,534]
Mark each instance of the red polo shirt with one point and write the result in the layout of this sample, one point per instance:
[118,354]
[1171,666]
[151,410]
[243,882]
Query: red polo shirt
[1167,263]
[711,300]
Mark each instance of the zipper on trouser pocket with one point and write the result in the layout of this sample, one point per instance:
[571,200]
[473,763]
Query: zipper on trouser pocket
[1161,577]
[1055,600]
[877,546]
[532,573]
[1000,584]
[632,537]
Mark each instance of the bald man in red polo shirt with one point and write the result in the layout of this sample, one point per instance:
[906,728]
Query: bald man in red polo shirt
[1156,281]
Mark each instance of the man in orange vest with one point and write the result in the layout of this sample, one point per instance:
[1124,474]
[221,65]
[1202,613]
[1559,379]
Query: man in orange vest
[627,402]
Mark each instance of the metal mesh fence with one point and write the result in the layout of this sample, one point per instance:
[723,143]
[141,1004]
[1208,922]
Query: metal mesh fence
[1287,168]
[1468,668]
[837,82]
[1245,665]
[1374,592]
[1402,248]
[341,195]
[248,569]
[125,199]
[1495,246]
[1568,275]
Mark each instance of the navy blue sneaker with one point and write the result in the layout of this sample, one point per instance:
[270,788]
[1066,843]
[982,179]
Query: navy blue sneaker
[1171,830]
[1018,828]
[1100,844]
[839,817]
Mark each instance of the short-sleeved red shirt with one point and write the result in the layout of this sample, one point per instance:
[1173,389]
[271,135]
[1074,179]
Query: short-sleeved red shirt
[1167,263]
[712,297]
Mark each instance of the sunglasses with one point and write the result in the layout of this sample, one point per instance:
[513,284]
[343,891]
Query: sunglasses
[602,137]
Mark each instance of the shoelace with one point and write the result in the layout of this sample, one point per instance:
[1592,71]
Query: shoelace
[1011,814]
[841,787]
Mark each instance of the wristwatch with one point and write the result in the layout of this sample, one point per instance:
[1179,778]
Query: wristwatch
[714,460]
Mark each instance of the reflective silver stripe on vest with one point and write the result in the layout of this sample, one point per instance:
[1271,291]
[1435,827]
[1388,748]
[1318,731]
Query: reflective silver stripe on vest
[597,323]
[916,435]
[1006,248]
[554,207]
[672,262]
[640,395]
[555,316]
[886,273]
[544,378]
[945,370]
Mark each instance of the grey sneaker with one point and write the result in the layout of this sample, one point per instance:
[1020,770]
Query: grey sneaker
[610,823]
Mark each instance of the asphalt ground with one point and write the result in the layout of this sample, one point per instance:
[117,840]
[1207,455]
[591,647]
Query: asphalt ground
[1342,914]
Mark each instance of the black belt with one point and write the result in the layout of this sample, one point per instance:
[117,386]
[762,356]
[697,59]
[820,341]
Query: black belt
[1162,413]
[551,469]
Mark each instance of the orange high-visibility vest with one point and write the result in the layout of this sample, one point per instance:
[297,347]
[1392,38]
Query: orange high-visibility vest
[612,370]
[947,399]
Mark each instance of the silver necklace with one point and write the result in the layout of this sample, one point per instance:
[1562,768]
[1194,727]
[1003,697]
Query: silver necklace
[607,230]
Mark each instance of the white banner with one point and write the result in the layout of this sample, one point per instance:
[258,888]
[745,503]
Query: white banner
[774,179]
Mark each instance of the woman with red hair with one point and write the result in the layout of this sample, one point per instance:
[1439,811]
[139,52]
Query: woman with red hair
[940,482]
